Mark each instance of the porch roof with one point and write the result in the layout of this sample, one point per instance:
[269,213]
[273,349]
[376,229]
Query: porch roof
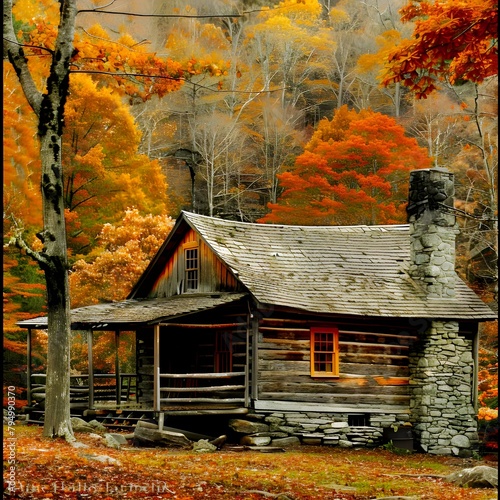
[138,312]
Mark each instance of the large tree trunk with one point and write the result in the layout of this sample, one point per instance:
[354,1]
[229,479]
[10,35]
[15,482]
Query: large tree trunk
[49,108]
[57,405]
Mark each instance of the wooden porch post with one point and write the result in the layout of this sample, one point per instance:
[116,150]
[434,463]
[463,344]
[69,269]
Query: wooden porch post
[156,371]
[28,366]
[247,363]
[90,338]
[255,356]
[475,370]
[117,369]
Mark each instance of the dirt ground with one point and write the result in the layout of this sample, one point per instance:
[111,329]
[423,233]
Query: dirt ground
[42,468]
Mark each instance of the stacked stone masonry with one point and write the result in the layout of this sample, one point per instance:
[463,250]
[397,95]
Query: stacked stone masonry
[442,411]
[433,230]
[285,429]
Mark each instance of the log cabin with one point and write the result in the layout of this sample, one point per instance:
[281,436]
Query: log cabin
[323,329]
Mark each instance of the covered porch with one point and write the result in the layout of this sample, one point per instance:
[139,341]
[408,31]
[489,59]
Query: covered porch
[195,360]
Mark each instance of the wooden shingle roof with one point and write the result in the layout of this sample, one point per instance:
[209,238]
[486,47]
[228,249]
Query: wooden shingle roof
[351,270]
[139,312]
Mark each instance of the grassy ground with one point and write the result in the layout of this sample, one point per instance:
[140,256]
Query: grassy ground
[52,469]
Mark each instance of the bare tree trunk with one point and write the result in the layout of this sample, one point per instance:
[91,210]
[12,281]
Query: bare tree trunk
[49,108]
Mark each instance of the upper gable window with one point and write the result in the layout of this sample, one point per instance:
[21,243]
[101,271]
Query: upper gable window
[324,352]
[191,267]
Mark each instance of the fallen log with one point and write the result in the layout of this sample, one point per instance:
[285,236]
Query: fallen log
[144,436]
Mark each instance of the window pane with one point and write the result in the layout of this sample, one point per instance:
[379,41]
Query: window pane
[324,360]
[191,263]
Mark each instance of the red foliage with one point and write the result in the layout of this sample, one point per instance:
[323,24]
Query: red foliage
[455,40]
[354,171]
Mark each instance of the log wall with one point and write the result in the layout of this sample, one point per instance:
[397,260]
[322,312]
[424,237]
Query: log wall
[374,373]
[145,366]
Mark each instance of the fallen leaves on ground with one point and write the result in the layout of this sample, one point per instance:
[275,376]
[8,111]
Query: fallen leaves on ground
[53,469]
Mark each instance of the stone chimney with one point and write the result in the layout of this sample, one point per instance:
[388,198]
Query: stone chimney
[440,363]
[433,229]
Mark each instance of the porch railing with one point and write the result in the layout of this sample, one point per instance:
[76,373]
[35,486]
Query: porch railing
[185,388]
[121,389]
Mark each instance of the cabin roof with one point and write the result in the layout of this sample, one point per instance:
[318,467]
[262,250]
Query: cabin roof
[338,270]
[351,270]
[139,312]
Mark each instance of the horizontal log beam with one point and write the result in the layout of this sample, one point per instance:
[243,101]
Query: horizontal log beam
[343,380]
[202,375]
[214,388]
[334,389]
[281,329]
[346,368]
[215,411]
[85,375]
[266,405]
[202,400]
[343,343]
[334,398]
[284,322]
[207,326]
[380,359]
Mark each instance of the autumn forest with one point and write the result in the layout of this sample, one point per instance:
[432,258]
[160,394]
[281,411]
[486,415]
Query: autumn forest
[302,112]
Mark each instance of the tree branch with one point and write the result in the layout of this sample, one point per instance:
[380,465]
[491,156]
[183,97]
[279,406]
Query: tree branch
[97,10]
[194,84]
[13,51]
[18,241]
[28,46]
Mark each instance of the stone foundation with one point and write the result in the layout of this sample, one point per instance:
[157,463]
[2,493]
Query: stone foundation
[276,429]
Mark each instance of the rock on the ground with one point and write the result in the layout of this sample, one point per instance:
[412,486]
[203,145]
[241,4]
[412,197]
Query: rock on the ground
[219,442]
[78,444]
[111,441]
[79,425]
[255,440]
[96,425]
[246,427]
[481,476]
[286,441]
[121,438]
[203,446]
[154,437]
[343,443]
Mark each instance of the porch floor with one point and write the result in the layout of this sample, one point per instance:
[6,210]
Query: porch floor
[102,407]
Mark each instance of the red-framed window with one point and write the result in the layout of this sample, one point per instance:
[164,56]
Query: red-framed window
[191,268]
[324,352]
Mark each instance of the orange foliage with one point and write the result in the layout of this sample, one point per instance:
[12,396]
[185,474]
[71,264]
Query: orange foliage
[354,171]
[14,346]
[488,384]
[122,64]
[104,173]
[451,39]
[103,352]
[21,154]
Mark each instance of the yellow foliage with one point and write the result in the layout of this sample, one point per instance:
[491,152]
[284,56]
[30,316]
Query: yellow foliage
[338,16]
[124,253]
[487,414]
